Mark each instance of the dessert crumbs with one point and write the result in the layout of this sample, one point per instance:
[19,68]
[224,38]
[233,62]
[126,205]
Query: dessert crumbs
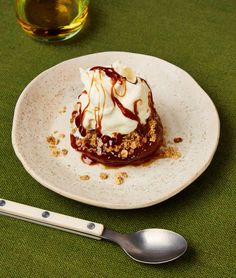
[55,152]
[120,177]
[84,177]
[52,140]
[64,152]
[124,153]
[58,152]
[169,152]
[119,180]
[73,130]
[62,135]
[103,176]
[124,174]
[133,145]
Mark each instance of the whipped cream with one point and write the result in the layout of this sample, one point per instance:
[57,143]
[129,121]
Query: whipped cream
[114,100]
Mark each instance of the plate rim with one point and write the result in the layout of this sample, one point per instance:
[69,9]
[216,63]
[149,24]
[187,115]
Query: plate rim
[95,202]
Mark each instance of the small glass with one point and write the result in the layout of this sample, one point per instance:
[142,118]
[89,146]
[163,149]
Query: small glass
[52,20]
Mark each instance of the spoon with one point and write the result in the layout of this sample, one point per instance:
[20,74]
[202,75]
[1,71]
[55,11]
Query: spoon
[151,246]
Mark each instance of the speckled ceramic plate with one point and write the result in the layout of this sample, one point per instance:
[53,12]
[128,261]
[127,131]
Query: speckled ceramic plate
[185,109]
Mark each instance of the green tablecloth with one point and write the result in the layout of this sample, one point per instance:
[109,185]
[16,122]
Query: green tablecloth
[198,36]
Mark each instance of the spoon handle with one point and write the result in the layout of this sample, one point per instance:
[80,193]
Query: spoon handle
[51,219]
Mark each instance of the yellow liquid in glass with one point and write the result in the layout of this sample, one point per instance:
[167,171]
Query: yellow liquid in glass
[52,20]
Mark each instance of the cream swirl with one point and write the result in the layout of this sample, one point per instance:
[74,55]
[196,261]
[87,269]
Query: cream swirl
[114,100]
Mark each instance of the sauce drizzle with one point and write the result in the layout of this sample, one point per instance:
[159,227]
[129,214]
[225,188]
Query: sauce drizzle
[98,112]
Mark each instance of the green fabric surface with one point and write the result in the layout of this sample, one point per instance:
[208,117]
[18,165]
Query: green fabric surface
[196,35]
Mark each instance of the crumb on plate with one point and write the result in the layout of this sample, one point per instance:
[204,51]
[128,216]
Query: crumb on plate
[56,152]
[123,174]
[62,135]
[120,176]
[103,176]
[52,140]
[119,180]
[170,152]
[84,177]
[64,152]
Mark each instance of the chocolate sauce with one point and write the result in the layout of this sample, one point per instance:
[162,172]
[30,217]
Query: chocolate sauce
[73,114]
[126,112]
[136,106]
[99,124]
[73,142]
[118,139]
[87,160]
[80,118]
[82,130]
[178,140]
[105,139]
[110,72]
[115,77]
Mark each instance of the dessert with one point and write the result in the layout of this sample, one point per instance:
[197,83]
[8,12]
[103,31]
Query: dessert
[114,121]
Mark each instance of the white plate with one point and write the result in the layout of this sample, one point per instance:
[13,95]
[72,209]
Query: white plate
[185,109]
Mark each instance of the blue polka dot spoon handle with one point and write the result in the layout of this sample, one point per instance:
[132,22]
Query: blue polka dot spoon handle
[51,219]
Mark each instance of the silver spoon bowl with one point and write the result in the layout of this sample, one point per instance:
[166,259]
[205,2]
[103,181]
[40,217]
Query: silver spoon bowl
[151,246]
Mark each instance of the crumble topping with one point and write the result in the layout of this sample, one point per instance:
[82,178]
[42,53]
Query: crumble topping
[62,136]
[53,145]
[55,152]
[64,151]
[84,177]
[119,180]
[52,140]
[123,174]
[124,153]
[124,148]
[58,152]
[119,177]
[73,130]
[169,152]
[103,176]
